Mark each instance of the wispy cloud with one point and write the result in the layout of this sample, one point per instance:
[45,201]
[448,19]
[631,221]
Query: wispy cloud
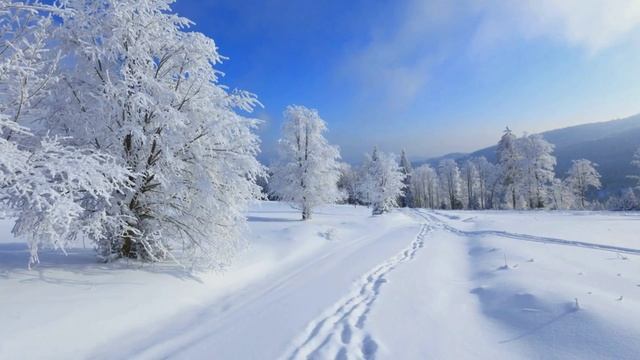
[396,64]
[592,25]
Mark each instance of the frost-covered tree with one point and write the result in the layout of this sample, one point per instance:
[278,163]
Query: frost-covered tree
[450,182]
[140,87]
[424,187]
[536,169]
[348,183]
[307,170]
[561,195]
[382,181]
[406,199]
[488,181]
[626,200]
[55,192]
[582,176]
[470,181]
[509,164]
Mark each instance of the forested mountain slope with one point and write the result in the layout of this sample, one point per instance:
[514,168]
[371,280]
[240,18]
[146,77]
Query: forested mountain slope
[610,144]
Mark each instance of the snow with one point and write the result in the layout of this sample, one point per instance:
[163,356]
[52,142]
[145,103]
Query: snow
[477,307]
[411,284]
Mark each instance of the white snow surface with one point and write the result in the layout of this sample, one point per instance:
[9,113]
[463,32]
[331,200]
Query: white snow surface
[412,284]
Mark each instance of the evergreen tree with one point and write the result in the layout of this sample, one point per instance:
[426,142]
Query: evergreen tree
[509,164]
[405,166]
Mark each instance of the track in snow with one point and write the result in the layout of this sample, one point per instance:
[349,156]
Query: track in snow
[339,333]
[525,237]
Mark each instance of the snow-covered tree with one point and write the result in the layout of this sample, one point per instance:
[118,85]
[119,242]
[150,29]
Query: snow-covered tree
[140,87]
[307,171]
[582,176]
[509,163]
[450,182]
[488,181]
[561,195]
[537,169]
[348,183]
[470,182]
[382,181]
[627,200]
[424,187]
[55,192]
[406,199]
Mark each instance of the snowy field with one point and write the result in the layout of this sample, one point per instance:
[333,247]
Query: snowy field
[407,285]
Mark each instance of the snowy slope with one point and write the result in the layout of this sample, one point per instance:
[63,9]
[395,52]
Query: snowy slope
[468,303]
[410,285]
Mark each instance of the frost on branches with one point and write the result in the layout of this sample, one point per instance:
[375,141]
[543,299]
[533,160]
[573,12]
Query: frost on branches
[424,187]
[537,169]
[144,90]
[450,183]
[136,98]
[509,158]
[582,176]
[488,182]
[307,171]
[470,181]
[57,193]
[382,181]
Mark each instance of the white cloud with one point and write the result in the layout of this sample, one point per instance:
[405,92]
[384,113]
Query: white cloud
[395,65]
[593,25]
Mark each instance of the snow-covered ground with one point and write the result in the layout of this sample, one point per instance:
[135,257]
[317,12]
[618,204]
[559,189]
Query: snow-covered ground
[412,284]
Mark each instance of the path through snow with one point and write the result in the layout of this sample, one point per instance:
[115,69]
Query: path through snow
[339,333]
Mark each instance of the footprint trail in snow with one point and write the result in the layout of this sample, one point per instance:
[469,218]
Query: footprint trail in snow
[339,333]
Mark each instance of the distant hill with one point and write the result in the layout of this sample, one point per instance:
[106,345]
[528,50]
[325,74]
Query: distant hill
[610,144]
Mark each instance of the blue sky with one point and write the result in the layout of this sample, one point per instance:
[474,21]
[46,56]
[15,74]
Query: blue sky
[430,76]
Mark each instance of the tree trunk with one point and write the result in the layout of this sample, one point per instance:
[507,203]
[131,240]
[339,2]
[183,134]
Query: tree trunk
[306,213]
[129,247]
